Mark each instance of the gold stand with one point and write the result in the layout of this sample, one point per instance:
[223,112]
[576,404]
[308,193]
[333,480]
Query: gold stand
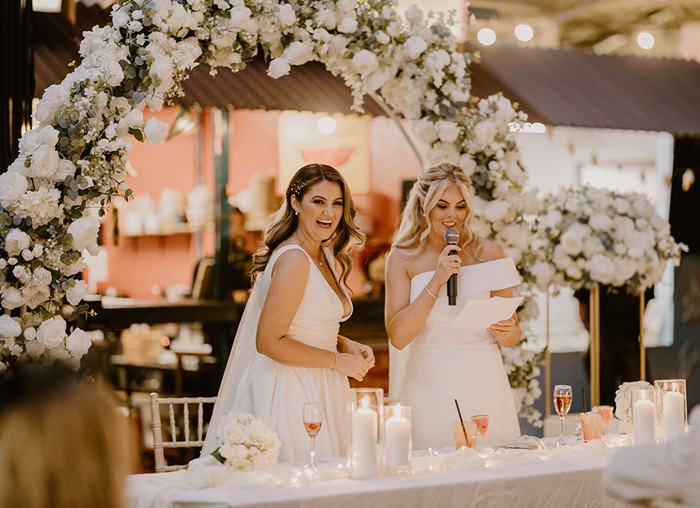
[594,330]
[547,367]
[642,350]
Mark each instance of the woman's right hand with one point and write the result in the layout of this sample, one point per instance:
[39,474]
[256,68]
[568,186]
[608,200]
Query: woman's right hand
[354,366]
[447,265]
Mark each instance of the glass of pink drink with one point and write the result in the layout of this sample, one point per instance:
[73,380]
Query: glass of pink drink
[458,433]
[592,426]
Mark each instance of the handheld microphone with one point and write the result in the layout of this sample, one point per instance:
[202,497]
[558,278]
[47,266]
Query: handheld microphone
[452,238]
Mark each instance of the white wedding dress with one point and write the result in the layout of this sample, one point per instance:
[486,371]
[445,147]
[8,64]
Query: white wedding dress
[444,363]
[276,393]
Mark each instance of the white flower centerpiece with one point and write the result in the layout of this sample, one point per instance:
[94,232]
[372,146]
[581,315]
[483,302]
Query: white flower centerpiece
[588,235]
[623,402]
[246,443]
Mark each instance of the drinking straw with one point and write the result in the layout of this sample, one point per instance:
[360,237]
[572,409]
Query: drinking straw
[462,422]
[583,391]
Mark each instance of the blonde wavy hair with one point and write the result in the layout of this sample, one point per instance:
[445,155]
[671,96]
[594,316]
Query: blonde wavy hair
[62,442]
[346,238]
[426,192]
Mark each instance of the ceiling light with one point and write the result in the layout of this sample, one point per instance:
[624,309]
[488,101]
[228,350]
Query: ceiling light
[486,36]
[326,125]
[524,32]
[645,40]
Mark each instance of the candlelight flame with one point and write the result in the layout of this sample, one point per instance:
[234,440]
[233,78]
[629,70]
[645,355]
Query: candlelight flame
[365,402]
[397,410]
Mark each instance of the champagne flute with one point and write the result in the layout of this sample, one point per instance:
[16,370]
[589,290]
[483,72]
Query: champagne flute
[313,418]
[562,404]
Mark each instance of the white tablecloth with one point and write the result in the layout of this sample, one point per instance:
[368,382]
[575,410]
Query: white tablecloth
[564,477]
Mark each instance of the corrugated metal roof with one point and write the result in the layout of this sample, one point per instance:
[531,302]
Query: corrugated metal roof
[307,88]
[575,88]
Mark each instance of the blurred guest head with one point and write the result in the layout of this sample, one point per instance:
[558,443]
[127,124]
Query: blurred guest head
[291,217]
[62,442]
[432,184]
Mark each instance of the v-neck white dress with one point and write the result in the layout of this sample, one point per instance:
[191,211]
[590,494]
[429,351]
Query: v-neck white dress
[446,363]
[276,393]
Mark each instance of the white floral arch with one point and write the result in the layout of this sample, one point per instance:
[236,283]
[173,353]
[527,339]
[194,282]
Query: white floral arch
[75,160]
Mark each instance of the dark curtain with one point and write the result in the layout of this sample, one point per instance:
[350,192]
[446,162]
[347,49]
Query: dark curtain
[16,76]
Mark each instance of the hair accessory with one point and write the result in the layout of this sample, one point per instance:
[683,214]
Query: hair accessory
[296,187]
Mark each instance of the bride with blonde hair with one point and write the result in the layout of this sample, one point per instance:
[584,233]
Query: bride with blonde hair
[287,350]
[433,362]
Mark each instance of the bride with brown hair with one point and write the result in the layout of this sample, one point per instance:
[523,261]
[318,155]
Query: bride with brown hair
[287,350]
[444,362]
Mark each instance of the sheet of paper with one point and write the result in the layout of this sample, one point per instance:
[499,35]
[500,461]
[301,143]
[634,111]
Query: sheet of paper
[484,313]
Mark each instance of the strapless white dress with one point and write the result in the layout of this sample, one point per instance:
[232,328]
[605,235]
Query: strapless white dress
[276,393]
[445,363]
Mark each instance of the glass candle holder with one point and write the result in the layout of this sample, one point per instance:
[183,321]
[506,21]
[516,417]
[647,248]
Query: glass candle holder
[674,408]
[365,432]
[397,440]
[644,416]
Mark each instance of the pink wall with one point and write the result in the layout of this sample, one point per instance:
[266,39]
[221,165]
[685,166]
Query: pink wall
[139,263]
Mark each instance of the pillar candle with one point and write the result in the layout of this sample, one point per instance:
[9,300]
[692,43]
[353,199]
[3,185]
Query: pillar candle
[397,435]
[364,442]
[673,415]
[643,416]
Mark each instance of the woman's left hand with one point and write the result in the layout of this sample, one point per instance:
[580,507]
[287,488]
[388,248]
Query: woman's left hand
[356,348]
[503,329]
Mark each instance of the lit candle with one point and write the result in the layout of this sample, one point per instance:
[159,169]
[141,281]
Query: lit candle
[364,441]
[398,436]
[643,416]
[673,415]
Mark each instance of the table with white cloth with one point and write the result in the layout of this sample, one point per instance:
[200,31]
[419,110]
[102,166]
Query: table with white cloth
[560,478]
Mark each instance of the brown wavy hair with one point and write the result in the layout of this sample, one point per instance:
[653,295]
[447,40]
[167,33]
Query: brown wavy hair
[424,195]
[346,238]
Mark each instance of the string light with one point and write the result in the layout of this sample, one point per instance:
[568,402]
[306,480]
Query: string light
[645,40]
[486,36]
[326,125]
[524,32]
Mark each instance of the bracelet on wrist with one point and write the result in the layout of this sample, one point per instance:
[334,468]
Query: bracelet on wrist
[335,365]
[428,291]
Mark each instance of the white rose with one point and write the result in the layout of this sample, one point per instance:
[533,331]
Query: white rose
[78,343]
[322,35]
[346,5]
[54,97]
[574,272]
[601,222]
[425,130]
[35,295]
[543,273]
[9,328]
[177,17]
[468,164]
[485,132]
[134,118]
[84,232]
[113,73]
[287,16]
[120,18]
[625,269]
[162,68]
[382,38]
[12,186]
[30,142]
[155,131]
[77,292]
[12,298]
[572,239]
[622,226]
[278,67]
[497,210]
[592,246]
[16,241]
[415,46]
[347,26]
[44,162]
[34,348]
[42,276]
[365,62]
[240,18]
[414,15]
[376,80]
[64,169]
[30,333]
[601,268]
[298,53]
[326,18]
[641,207]
[459,96]
[236,433]
[52,332]
[447,131]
